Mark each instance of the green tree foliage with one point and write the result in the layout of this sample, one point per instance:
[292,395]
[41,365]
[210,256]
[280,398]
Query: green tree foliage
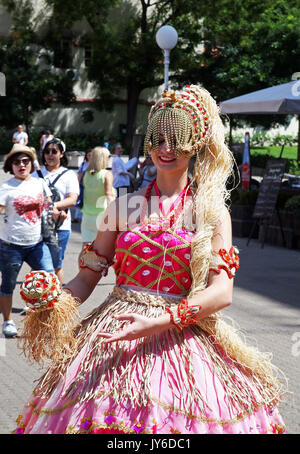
[29,87]
[126,59]
[249,45]
[228,46]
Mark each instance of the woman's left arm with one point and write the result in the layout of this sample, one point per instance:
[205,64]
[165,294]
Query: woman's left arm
[60,207]
[67,202]
[216,296]
[218,293]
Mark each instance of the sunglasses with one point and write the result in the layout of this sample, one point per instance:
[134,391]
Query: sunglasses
[23,161]
[52,151]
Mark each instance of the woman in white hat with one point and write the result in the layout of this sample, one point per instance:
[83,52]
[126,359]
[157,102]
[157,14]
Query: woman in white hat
[22,198]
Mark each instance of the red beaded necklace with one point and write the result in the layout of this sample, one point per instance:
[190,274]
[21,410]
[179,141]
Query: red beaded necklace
[166,220]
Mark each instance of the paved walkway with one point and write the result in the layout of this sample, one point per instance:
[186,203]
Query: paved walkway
[265,305]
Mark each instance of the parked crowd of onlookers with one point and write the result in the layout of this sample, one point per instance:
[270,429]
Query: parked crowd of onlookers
[39,196]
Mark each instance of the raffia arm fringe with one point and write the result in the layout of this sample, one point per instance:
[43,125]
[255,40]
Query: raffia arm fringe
[109,370]
[254,362]
[50,334]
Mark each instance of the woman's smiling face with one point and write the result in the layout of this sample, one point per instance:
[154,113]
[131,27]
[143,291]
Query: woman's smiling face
[166,158]
[21,166]
[52,156]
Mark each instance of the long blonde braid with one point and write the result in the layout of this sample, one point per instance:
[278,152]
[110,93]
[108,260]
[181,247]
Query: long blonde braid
[190,122]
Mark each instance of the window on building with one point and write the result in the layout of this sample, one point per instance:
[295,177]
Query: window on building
[88,55]
[63,54]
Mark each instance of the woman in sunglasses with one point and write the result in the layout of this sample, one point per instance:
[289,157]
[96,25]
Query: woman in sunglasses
[54,171]
[157,356]
[22,198]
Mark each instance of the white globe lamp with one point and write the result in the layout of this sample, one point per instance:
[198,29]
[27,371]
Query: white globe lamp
[166,38]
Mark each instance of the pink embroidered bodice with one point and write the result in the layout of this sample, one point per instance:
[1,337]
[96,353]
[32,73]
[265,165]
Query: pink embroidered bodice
[154,260]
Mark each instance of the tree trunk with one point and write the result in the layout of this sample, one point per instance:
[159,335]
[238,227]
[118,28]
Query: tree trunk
[133,93]
[298,138]
[26,115]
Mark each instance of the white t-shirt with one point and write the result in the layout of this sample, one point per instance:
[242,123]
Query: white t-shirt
[23,201]
[148,178]
[117,167]
[66,184]
[20,137]
[46,139]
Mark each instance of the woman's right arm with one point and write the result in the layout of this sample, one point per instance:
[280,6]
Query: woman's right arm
[108,187]
[86,280]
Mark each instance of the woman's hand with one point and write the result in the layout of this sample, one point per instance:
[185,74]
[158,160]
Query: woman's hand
[61,214]
[139,326]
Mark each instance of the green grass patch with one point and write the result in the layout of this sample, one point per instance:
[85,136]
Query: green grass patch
[289,152]
[260,155]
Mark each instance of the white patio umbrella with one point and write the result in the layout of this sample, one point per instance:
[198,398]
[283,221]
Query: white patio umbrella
[281,99]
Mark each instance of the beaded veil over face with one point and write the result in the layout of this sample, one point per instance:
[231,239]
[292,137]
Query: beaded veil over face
[181,119]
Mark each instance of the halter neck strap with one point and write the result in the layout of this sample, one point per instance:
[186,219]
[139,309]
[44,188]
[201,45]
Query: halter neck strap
[174,204]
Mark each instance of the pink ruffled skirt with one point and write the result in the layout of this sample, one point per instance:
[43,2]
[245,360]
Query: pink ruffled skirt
[176,382]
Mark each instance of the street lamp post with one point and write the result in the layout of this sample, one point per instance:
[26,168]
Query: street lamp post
[166,38]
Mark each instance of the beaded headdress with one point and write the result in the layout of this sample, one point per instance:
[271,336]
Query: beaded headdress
[182,119]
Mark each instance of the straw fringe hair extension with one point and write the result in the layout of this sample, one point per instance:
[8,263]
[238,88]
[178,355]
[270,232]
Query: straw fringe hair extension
[212,170]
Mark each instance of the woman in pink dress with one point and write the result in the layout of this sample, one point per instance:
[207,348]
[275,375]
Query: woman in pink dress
[156,356]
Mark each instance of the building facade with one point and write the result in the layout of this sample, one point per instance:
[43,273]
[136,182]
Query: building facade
[81,116]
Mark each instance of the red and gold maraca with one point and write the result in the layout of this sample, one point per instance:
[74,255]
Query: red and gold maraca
[52,318]
[40,290]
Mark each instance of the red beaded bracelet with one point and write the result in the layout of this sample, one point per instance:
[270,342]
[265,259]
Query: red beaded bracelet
[182,315]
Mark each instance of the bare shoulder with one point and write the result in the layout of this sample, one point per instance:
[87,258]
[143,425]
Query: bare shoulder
[121,209]
[225,215]
[222,236]
[108,175]
[130,207]
[132,198]
[140,193]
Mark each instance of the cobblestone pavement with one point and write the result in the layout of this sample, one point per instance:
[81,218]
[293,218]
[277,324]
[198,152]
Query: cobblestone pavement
[266,307]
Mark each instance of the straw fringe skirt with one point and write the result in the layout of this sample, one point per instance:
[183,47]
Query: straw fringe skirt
[174,382]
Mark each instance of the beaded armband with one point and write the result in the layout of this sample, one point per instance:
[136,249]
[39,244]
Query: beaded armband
[89,258]
[182,315]
[40,290]
[223,260]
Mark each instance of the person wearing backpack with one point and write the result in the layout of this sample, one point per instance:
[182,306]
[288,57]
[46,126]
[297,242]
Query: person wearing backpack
[64,186]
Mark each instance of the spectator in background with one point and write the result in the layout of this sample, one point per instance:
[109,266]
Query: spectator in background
[109,143]
[21,241]
[148,172]
[55,164]
[45,138]
[80,175]
[98,193]
[84,165]
[20,136]
[121,175]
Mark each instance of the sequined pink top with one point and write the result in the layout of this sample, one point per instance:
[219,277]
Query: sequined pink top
[154,260]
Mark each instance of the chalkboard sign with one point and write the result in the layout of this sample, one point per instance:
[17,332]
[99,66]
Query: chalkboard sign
[269,188]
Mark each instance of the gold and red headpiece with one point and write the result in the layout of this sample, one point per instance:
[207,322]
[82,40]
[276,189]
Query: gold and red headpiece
[182,119]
